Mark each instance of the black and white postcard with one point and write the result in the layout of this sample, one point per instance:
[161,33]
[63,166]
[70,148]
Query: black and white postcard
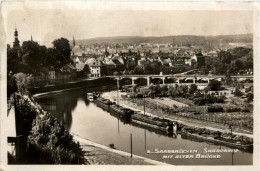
[129,85]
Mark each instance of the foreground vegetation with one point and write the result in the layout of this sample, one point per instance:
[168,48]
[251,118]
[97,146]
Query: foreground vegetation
[46,139]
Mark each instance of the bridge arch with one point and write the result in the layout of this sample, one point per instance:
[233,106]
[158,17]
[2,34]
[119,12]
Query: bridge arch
[126,81]
[156,80]
[169,80]
[142,81]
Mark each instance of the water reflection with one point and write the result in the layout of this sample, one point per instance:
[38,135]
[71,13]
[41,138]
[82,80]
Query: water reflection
[61,106]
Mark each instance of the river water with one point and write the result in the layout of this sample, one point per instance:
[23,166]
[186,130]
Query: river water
[88,121]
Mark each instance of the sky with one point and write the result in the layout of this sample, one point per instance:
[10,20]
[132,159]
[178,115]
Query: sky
[47,25]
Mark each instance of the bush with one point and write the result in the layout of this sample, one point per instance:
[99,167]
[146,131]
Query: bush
[237,92]
[139,96]
[250,97]
[200,101]
[214,85]
[233,109]
[26,110]
[193,88]
[50,138]
[208,99]
[245,109]
[212,109]
[19,82]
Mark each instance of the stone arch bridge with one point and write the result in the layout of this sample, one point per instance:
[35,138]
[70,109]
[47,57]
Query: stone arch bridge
[180,78]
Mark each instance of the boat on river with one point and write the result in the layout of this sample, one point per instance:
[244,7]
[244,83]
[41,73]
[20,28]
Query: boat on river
[218,138]
[104,103]
[90,96]
[153,129]
[153,122]
[121,111]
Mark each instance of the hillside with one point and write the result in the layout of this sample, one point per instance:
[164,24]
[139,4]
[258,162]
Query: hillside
[182,39]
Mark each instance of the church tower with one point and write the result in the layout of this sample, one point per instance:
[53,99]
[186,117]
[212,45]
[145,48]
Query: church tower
[16,43]
[106,52]
[31,38]
[74,43]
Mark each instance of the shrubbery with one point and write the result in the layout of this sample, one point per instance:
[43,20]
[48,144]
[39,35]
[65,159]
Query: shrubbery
[233,109]
[200,101]
[48,142]
[214,85]
[237,92]
[208,99]
[212,109]
[27,110]
[250,97]
[50,138]
[245,109]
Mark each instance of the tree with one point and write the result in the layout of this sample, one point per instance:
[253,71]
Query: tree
[116,73]
[214,85]
[152,90]
[171,91]
[248,63]
[193,88]
[11,85]
[184,90]
[235,66]
[52,143]
[148,69]
[134,89]
[157,89]
[86,69]
[250,97]
[125,72]
[13,61]
[237,92]
[219,68]
[61,51]
[33,55]
[164,88]
[156,67]
[225,57]
[22,82]
[238,65]
[138,70]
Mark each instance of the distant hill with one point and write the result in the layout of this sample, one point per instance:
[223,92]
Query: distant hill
[182,39]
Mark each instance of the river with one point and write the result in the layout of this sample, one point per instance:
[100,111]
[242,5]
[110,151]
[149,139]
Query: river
[88,121]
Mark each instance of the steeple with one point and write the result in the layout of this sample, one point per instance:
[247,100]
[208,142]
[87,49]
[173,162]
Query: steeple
[31,38]
[16,43]
[74,43]
[106,52]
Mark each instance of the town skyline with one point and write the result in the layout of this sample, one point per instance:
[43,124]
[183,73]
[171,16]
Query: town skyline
[106,24]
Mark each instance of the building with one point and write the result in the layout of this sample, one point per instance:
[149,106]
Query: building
[95,66]
[52,74]
[16,43]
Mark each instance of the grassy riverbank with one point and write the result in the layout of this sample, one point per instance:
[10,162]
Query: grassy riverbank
[97,154]
[184,120]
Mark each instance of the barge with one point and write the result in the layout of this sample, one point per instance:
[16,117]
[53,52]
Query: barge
[154,130]
[216,138]
[153,122]
[104,104]
[121,111]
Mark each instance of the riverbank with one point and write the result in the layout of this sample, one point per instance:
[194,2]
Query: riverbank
[185,121]
[98,154]
[86,83]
